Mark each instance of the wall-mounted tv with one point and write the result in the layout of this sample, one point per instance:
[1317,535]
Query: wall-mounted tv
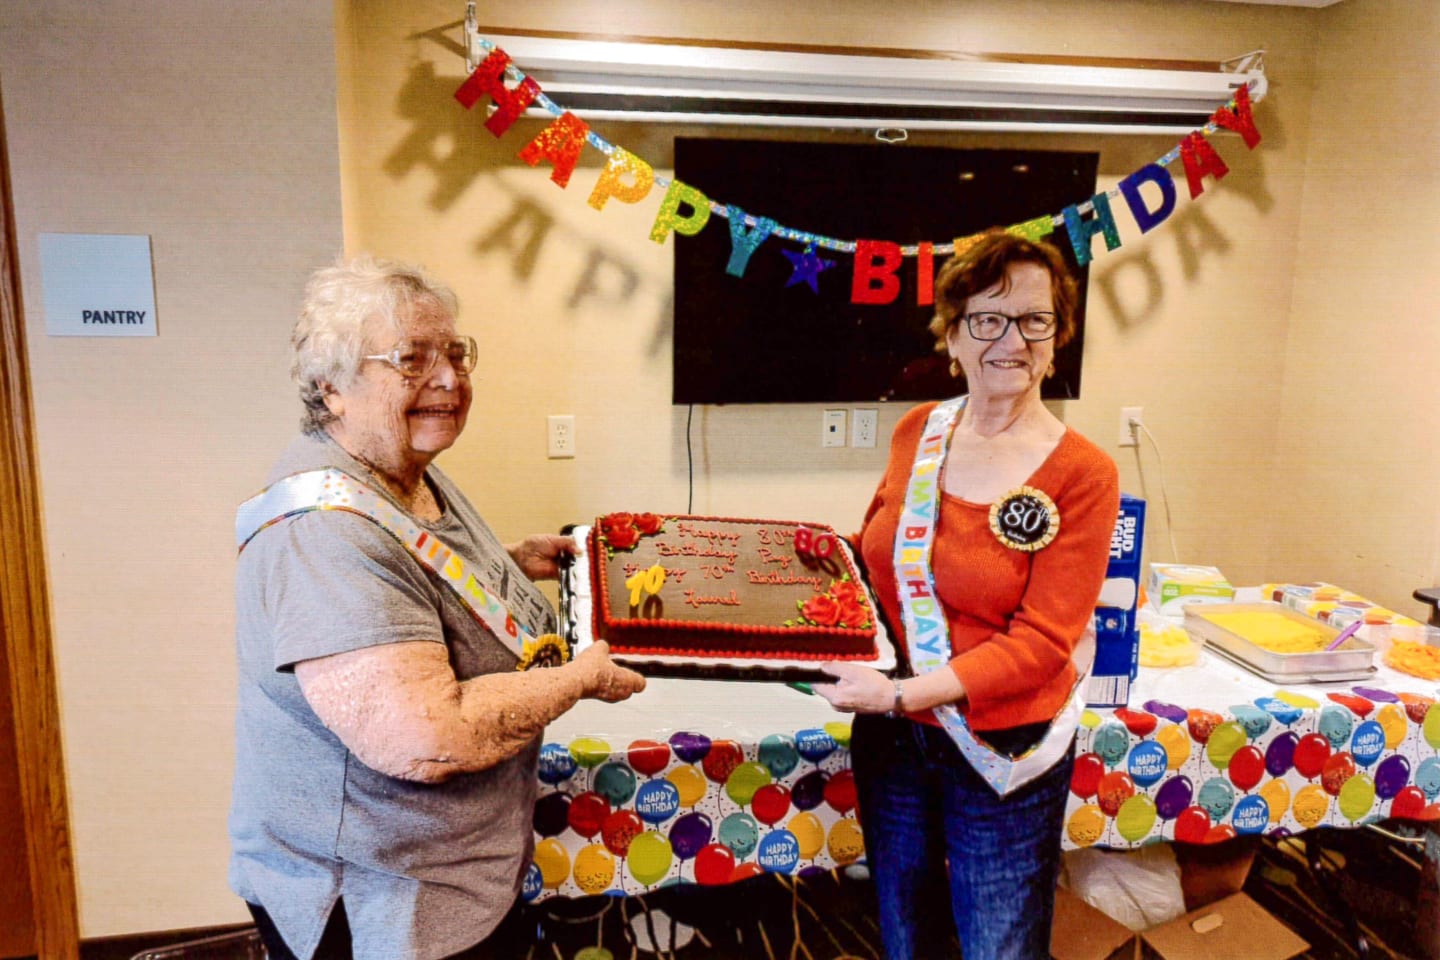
[753,339]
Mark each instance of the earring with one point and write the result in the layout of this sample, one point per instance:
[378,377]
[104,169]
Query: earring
[1050,371]
[954,367]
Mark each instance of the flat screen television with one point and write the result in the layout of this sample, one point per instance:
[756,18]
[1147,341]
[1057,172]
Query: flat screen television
[755,339]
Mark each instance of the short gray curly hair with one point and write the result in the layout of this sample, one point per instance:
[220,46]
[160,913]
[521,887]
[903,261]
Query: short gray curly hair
[329,336]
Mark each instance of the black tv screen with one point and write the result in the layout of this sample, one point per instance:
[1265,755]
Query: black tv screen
[755,339]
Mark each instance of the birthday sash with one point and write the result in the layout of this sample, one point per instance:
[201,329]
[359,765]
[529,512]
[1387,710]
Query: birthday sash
[927,631]
[332,489]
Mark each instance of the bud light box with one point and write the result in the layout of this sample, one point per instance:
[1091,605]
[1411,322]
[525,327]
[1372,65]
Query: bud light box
[1117,632]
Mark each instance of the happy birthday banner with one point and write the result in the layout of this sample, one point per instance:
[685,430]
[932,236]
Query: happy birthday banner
[876,263]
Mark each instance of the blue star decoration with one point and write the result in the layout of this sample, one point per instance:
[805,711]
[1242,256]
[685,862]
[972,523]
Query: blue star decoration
[806,267]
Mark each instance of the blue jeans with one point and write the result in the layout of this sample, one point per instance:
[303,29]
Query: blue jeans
[921,805]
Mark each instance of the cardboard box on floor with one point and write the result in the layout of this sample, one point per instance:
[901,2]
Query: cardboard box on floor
[1233,927]
[1210,871]
[1080,932]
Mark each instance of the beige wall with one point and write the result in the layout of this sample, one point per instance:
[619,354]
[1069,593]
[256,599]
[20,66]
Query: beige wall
[1191,323]
[1293,447]
[213,132]
[1357,455]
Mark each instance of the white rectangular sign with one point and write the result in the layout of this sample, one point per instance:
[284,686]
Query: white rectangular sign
[97,285]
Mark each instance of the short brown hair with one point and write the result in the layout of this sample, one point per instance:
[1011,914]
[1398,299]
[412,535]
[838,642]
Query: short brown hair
[985,262]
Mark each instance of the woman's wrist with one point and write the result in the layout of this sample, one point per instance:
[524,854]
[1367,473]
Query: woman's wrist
[896,708]
[920,693]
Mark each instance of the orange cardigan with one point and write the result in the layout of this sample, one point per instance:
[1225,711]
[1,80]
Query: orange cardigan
[1014,617]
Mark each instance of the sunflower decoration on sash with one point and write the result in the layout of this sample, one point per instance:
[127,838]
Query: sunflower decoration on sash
[546,650]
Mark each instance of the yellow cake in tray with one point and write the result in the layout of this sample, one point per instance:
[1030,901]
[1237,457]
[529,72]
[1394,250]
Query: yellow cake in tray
[1278,643]
[1271,630]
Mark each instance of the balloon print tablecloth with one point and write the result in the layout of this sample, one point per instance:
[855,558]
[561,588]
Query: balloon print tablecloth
[710,782]
[626,817]
[1209,752]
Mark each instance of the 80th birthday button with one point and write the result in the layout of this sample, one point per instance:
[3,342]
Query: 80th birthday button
[1025,519]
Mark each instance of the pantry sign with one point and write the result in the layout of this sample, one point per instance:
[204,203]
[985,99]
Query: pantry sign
[97,285]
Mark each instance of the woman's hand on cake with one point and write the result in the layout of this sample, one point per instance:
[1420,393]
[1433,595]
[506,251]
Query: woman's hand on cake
[856,689]
[538,556]
[603,678]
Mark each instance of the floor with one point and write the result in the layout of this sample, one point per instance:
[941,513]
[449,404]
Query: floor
[217,943]
[1385,889]
[1311,883]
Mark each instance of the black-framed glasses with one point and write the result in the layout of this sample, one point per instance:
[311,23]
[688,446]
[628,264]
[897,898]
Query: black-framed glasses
[415,357]
[1035,326]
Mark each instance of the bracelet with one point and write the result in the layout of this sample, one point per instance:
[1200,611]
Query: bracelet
[895,712]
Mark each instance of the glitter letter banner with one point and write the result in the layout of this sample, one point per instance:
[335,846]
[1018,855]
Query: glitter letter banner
[876,265]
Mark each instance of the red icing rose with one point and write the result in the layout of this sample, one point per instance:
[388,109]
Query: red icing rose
[822,610]
[852,614]
[845,591]
[622,538]
[648,523]
[615,521]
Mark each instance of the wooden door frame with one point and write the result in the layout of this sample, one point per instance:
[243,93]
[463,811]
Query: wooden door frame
[25,619]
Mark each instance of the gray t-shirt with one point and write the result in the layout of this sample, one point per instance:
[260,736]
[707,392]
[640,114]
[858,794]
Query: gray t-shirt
[425,870]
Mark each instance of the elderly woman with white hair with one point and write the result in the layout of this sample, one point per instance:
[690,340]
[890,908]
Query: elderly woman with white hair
[386,735]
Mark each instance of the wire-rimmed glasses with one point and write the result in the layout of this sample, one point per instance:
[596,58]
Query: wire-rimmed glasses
[415,357]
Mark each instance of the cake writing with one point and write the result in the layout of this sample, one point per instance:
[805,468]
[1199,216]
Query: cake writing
[776,577]
[667,549]
[712,534]
[671,573]
[697,600]
[843,605]
[766,556]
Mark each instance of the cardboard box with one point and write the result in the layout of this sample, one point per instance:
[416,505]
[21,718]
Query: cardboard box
[1117,632]
[1213,871]
[1172,585]
[1233,927]
[1080,932]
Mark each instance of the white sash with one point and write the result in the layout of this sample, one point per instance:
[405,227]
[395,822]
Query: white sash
[927,632]
[333,489]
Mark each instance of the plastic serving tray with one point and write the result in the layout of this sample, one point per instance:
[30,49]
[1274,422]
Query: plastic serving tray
[1353,661]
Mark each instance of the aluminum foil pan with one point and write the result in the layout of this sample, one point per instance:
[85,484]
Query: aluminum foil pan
[1353,660]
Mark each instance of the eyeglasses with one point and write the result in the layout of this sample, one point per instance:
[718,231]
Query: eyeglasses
[415,358]
[1033,327]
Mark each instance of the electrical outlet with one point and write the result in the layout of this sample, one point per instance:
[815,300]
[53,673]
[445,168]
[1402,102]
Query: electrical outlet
[1130,421]
[832,429]
[863,426]
[560,436]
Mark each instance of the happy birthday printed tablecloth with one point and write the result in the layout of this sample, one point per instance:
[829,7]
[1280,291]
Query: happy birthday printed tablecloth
[692,781]
[1211,751]
[712,782]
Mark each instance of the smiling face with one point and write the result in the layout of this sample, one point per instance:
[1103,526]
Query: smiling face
[395,423]
[1010,366]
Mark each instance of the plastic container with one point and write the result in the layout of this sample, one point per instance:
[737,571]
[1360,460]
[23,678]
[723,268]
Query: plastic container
[1382,635]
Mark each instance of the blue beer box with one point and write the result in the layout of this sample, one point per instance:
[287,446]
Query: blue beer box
[1117,631]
